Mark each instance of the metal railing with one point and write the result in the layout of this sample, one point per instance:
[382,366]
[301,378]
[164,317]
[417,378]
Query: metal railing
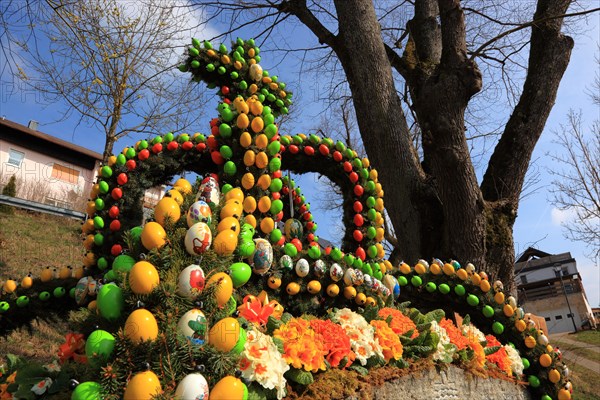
[40,207]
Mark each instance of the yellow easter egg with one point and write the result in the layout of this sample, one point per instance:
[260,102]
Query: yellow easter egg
[245,139]
[508,310]
[420,269]
[46,275]
[112,160]
[143,386]
[405,268]
[520,325]
[224,288]
[234,194]
[141,326]
[349,292]
[153,236]
[251,52]
[95,191]
[176,195]
[554,375]
[256,106]
[264,181]
[264,204]
[242,121]
[232,208]
[462,274]
[64,273]
[484,285]
[564,394]
[93,305]
[88,242]
[183,185]
[249,158]
[88,226]
[249,204]
[229,388]
[261,141]
[545,360]
[267,225]
[251,220]
[261,160]
[10,286]
[257,124]
[499,298]
[240,105]
[90,208]
[225,59]
[225,242]
[230,223]
[379,235]
[89,260]
[448,269]
[237,65]
[373,175]
[530,342]
[379,204]
[252,89]
[143,278]
[248,181]
[167,207]
[380,250]
[27,282]
[225,334]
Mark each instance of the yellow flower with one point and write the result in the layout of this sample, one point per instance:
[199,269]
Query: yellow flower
[302,348]
[388,340]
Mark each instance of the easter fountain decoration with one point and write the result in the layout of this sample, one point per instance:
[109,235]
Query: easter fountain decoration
[227,291]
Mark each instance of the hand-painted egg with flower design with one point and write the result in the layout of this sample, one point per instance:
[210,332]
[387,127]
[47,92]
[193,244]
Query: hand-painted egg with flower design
[320,268]
[191,281]
[192,387]
[199,212]
[349,276]
[198,239]
[262,258]
[302,268]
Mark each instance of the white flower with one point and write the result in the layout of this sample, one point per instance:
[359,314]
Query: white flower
[41,387]
[472,333]
[262,362]
[361,334]
[516,363]
[52,367]
[445,349]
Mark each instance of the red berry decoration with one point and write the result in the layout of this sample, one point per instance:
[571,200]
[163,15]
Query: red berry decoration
[116,193]
[276,195]
[225,90]
[357,206]
[113,212]
[187,145]
[360,253]
[226,101]
[358,190]
[297,243]
[357,235]
[115,225]
[285,191]
[217,157]
[353,177]
[293,149]
[281,241]
[201,146]
[310,225]
[214,130]
[144,154]
[214,122]
[337,156]
[279,216]
[358,220]
[122,178]
[302,209]
[307,216]
[309,150]
[116,249]
[172,146]
[212,142]
[324,150]
[347,166]
[157,148]
[311,237]
[130,165]
[277,174]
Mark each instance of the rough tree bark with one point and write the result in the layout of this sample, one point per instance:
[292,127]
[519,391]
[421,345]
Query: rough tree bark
[438,208]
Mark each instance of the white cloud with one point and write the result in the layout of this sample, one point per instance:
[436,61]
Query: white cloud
[559,217]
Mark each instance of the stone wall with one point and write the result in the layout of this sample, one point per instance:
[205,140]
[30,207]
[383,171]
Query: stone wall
[449,384]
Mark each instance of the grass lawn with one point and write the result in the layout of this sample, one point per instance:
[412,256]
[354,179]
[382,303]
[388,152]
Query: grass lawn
[30,242]
[590,337]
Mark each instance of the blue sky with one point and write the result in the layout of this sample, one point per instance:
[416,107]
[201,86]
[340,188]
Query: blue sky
[537,223]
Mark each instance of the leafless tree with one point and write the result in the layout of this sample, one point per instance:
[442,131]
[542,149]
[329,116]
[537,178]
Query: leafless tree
[111,62]
[577,181]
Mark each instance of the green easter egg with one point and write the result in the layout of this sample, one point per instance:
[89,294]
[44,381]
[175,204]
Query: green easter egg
[240,273]
[110,301]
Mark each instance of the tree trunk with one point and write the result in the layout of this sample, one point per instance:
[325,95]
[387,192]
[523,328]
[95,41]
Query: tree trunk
[382,123]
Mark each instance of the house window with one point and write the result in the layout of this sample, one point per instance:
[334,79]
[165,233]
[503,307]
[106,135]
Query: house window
[15,157]
[569,315]
[65,174]
[558,317]
[547,319]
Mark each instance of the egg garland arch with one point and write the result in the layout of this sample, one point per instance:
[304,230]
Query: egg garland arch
[245,155]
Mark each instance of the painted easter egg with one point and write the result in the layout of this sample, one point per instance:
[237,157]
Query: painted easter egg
[336,272]
[293,229]
[192,387]
[191,281]
[320,268]
[286,263]
[194,326]
[198,239]
[262,258]
[199,211]
[209,191]
[302,268]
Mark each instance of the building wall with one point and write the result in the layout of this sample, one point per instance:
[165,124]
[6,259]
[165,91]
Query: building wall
[35,180]
[543,274]
[555,311]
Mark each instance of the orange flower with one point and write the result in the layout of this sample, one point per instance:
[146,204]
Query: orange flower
[388,340]
[479,357]
[456,336]
[4,394]
[399,323]
[500,357]
[336,342]
[302,347]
